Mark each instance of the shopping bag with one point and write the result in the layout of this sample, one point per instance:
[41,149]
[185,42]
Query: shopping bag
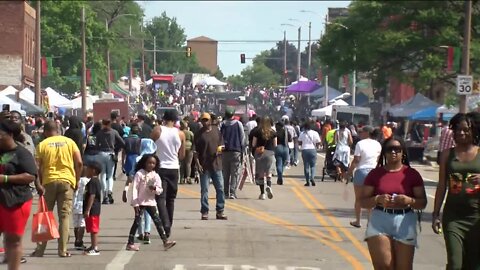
[44,226]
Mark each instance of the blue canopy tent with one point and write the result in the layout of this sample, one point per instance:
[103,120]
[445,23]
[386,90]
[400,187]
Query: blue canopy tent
[360,100]
[427,114]
[411,106]
[320,92]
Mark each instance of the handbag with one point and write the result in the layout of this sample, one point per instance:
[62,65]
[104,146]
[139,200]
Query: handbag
[44,225]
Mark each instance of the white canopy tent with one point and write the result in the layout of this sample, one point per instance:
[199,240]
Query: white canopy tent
[14,106]
[28,95]
[10,90]
[76,103]
[55,99]
[327,111]
[212,81]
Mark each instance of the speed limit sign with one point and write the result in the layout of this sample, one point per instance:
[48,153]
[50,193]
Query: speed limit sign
[464,85]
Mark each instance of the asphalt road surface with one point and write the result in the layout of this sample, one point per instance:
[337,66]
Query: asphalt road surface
[300,228]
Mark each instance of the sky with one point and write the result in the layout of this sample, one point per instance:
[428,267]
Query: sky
[244,20]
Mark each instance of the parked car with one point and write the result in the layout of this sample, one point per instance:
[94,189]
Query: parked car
[430,151]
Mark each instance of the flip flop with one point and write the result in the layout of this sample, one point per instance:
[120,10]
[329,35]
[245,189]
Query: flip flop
[355,224]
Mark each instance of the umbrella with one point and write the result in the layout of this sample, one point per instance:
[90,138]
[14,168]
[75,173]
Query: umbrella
[303,87]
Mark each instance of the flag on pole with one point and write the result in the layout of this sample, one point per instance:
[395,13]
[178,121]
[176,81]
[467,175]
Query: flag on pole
[453,59]
[44,67]
[88,76]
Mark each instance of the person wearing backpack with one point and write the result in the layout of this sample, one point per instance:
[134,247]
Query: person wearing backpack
[233,137]
[131,150]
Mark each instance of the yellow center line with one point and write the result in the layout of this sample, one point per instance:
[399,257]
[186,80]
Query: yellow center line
[334,234]
[360,247]
[258,214]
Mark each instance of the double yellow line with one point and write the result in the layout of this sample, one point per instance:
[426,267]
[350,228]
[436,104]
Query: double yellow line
[314,234]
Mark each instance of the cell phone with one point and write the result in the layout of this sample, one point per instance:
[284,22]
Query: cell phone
[50,115]
[6,107]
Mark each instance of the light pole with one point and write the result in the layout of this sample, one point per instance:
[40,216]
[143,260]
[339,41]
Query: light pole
[467,31]
[309,40]
[354,88]
[299,58]
[107,27]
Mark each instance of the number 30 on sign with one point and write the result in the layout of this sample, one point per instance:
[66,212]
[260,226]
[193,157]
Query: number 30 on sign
[464,85]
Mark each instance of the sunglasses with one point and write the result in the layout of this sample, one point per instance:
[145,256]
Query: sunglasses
[395,149]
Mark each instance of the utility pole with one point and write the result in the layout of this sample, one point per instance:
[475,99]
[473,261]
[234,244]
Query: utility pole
[130,67]
[299,60]
[108,60]
[154,55]
[309,48]
[354,88]
[285,58]
[38,55]
[84,67]
[466,50]
[326,90]
[143,55]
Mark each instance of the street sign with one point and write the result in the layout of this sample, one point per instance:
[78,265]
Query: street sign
[464,85]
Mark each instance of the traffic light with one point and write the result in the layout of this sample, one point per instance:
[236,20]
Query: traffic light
[242,58]
[189,51]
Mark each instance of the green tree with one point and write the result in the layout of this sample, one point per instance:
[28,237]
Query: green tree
[219,74]
[170,39]
[259,74]
[402,39]
[61,40]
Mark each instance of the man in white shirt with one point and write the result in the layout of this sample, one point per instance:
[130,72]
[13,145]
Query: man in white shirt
[251,124]
[365,159]
[170,143]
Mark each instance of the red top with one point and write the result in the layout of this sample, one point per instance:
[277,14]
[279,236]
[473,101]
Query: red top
[401,182]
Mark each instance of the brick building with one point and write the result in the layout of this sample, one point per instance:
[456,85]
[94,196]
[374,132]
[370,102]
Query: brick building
[206,51]
[17,44]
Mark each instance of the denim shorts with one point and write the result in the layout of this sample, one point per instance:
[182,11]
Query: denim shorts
[400,227]
[360,175]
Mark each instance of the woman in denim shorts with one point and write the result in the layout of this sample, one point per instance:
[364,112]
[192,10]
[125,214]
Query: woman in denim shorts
[394,190]
[365,159]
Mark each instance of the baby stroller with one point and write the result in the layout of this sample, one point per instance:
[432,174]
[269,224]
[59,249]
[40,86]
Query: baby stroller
[329,167]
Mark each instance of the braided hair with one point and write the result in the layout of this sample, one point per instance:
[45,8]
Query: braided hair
[382,160]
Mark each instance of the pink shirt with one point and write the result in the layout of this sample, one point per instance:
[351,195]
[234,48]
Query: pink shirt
[142,194]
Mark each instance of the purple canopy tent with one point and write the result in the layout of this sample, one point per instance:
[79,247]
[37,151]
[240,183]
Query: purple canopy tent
[303,87]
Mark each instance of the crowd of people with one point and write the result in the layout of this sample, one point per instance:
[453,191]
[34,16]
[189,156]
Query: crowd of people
[76,164]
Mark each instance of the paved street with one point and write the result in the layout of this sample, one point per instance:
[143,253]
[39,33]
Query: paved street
[301,228]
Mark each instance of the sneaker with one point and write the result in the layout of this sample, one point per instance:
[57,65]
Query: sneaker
[79,246]
[288,167]
[279,182]
[269,192]
[313,183]
[146,239]
[205,216]
[110,198]
[307,184]
[221,216]
[262,196]
[105,201]
[140,237]
[91,252]
[132,247]
[232,197]
[169,244]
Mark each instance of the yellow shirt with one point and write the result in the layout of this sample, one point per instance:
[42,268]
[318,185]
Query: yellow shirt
[56,157]
[330,137]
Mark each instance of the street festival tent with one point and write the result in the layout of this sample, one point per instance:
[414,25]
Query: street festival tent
[14,106]
[427,114]
[28,107]
[327,111]
[55,99]
[411,106]
[10,90]
[211,81]
[302,87]
[76,103]
[27,95]
[320,92]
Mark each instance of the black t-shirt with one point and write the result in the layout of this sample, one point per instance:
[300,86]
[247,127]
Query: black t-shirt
[268,144]
[93,187]
[16,161]
[281,137]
